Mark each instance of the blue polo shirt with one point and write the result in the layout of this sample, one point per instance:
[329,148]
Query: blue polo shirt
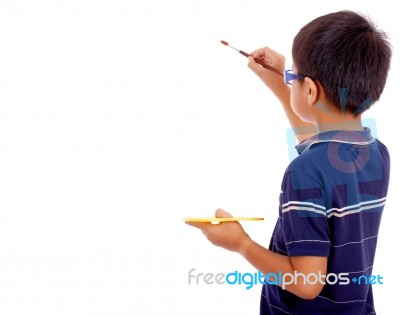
[331,202]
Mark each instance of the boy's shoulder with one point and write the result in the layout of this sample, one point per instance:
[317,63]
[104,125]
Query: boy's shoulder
[341,163]
[338,153]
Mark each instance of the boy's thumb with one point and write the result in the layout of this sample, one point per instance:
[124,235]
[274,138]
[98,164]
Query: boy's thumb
[219,213]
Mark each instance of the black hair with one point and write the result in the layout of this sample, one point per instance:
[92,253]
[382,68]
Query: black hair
[347,55]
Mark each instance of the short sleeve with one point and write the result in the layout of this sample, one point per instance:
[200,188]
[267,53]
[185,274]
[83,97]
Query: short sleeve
[303,216]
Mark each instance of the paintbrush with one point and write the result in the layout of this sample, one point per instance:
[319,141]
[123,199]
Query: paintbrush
[260,62]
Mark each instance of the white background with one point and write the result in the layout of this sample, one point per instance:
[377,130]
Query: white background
[118,118]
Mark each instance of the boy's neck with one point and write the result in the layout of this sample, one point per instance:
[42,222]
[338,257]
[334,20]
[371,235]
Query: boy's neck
[350,123]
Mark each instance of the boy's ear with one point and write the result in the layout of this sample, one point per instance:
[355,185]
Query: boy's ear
[312,91]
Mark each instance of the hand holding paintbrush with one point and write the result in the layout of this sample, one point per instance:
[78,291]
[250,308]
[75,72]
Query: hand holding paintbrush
[259,61]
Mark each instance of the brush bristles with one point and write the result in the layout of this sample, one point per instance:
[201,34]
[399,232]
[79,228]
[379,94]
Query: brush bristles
[224,42]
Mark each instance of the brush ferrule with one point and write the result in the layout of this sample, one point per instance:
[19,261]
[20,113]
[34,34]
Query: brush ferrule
[234,48]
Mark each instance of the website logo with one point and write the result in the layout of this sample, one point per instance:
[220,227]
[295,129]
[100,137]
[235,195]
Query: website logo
[282,279]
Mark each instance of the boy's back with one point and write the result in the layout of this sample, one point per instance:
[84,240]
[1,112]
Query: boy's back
[331,203]
[333,194]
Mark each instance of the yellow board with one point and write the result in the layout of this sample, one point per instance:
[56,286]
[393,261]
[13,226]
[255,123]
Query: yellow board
[218,220]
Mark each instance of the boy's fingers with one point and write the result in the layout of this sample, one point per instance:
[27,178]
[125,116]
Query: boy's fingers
[259,53]
[253,65]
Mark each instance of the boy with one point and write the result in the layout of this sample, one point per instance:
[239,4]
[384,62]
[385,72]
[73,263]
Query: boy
[334,192]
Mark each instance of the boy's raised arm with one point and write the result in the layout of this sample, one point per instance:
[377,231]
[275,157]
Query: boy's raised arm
[281,90]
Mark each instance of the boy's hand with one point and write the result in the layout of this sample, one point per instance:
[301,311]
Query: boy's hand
[271,58]
[275,83]
[229,235]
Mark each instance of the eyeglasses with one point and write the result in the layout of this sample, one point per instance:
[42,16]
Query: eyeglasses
[289,76]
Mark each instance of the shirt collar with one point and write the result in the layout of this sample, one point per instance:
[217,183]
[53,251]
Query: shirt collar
[363,137]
